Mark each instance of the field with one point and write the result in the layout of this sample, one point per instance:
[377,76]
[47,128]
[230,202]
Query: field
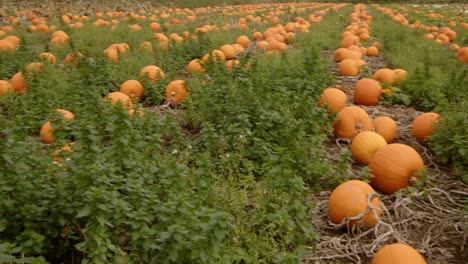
[214,132]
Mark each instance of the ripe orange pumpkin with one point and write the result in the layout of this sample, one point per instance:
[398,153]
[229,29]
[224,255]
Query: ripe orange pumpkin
[462,55]
[116,98]
[244,41]
[386,127]
[229,52]
[18,82]
[424,125]
[46,132]
[400,75]
[176,91]
[350,121]
[349,199]
[398,254]
[348,67]
[47,57]
[132,88]
[5,87]
[393,166]
[334,99]
[195,66]
[372,51]
[364,146]
[152,72]
[384,76]
[367,92]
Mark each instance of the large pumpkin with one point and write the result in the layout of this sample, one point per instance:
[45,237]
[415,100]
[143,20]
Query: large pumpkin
[348,67]
[367,92]
[384,76]
[334,99]
[176,91]
[386,127]
[398,254]
[424,125]
[364,146]
[350,121]
[393,166]
[132,88]
[195,66]
[349,199]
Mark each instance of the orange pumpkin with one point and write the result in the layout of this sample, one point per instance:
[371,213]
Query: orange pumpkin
[195,66]
[386,127]
[132,88]
[244,41]
[393,166]
[400,75]
[348,67]
[349,199]
[229,52]
[364,146]
[46,132]
[384,76]
[152,72]
[424,125]
[18,82]
[334,99]
[176,91]
[350,121]
[398,254]
[116,98]
[367,92]
[66,150]
[372,51]
[47,57]
[5,87]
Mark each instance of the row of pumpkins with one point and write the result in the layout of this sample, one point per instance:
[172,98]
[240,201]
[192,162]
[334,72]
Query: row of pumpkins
[393,166]
[442,36]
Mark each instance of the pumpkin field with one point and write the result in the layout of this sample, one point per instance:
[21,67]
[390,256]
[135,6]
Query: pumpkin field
[233,132]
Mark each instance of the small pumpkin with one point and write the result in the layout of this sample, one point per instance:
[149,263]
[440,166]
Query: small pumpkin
[349,199]
[367,92]
[400,75]
[364,146]
[46,132]
[372,51]
[65,151]
[398,253]
[47,57]
[350,121]
[386,127]
[18,82]
[132,88]
[393,166]
[176,91]
[334,99]
[424,125]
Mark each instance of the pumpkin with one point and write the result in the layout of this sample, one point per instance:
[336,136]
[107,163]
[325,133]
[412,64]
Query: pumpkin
[145,46]
[73,58]
[152,72]
[349,199]
[398,254]
[424,125]
[231,64]
[214,55]
[462,55]
[364,146]
[384,76]
[372,51]
[176,91]
[244,41]
[5,87]
[229,51]
[116,98]
[46,132]
[350,121]
[393,166]
[348,67]
[349,40]
[400,75]
[339,54]
[386,127]
[367,92]
[195,66]
[13,40]
[34,67]
[18,82]
[132,88]
[47,57]
[334,99]
[112,55]
[7,46]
